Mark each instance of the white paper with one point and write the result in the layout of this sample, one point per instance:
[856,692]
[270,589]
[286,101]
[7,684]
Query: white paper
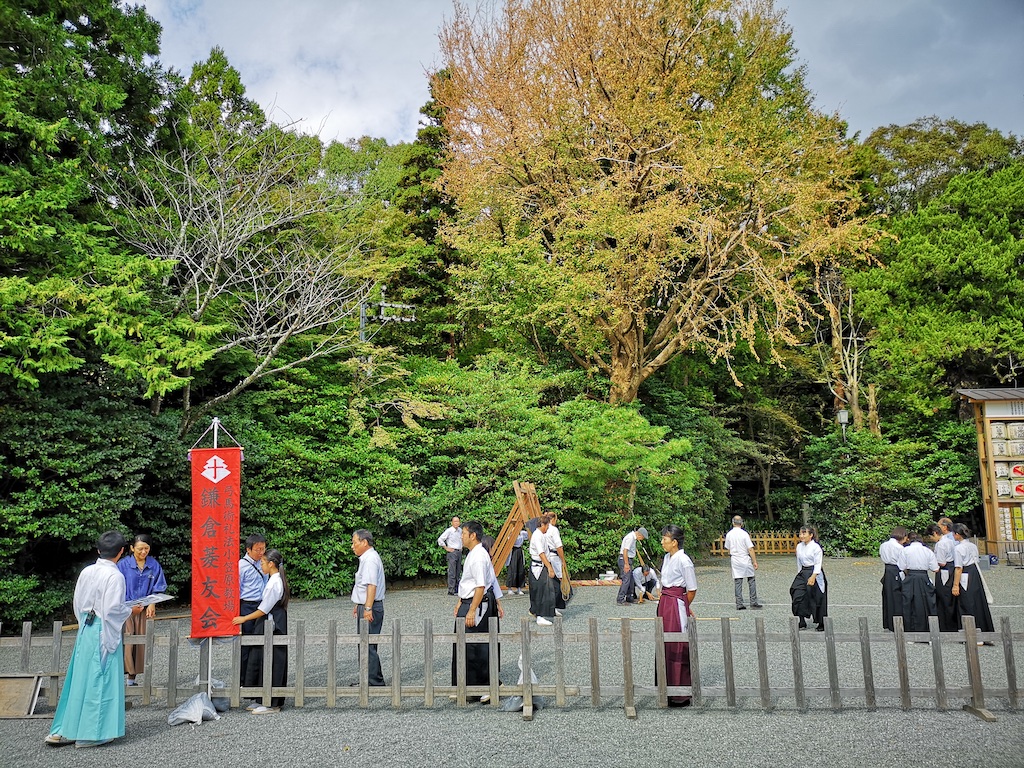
[964,578]
[944,575]
[159,597]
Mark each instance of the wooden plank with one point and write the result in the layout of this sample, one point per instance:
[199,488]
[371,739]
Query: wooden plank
[268,662]
[902,668]
[798,666]
[300,663]
[428,662]
[1011,664]
[833,665]
[697,694]
[941,700]
[492,662]
[396,664]
[762,664]
[865,659]
[524,634]
[26,646]
[332,663]
[19,694]
[628,700]
[172,669]
[660,668]
[595,664]
[727,661]
[364,664]
[147,678]
[52,691]
[460,662]
[559,662]
[977,705]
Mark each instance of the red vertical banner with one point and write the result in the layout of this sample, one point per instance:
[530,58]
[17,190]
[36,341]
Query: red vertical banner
[216,485]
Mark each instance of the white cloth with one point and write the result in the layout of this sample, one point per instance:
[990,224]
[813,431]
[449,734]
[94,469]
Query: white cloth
[889,551]
[371,571]
[810,554]
[272,594]
[677,571]
[916,557]
[101,588]
[944,548]
[451,538]
[738,542]
[476,572]
[538,546]
[553,540]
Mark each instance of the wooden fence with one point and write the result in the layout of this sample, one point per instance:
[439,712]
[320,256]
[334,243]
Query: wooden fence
[765,543]
[713,659]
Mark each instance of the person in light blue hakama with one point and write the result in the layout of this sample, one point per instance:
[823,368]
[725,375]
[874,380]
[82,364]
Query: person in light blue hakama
[91,707]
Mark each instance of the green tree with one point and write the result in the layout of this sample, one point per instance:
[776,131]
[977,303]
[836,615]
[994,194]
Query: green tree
[642,179]
[75,85]
[945,308]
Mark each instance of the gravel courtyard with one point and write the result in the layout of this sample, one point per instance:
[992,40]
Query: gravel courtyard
[580,735]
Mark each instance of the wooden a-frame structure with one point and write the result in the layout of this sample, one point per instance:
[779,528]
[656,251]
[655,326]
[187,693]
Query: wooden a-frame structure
[527,507]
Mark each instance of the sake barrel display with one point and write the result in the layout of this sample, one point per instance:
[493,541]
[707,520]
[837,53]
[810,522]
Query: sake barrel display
[1003,469]
[997,429]
[1015,430]
[1016,471]
[1003,488]
[1018,489]
[999,448]
[1015,447]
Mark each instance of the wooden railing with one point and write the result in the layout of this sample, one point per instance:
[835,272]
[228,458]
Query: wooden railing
[765,543]
[713,658]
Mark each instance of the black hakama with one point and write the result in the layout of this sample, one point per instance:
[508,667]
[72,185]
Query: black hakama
[918,595]
[252,675]
[516,576]
[478,655]
[542,594]
[945,602]
[892,598]
[972,601]
[809,601]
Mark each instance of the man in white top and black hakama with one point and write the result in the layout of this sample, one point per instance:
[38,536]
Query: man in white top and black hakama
[451,540]
[892,578]
[556,555]
[744,562]
[368,597]
[945,601]
[476,605]
[917,563]
[542,575]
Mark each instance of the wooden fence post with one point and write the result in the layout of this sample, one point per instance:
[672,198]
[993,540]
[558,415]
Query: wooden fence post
[865,659]
[628,693]
[524,632]
[941,701]
[52,690]
[595,674]
[977,705]
[428,662]
[762,664]
[798,665]
[172,668]
[300,664]
[396,663]
[660,668]
[696,695]
[833,665]
[460,661]
[902,669]
[332,663]
[727,662]
[1011,665]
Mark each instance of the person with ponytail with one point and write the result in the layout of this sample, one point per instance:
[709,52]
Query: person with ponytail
[275,605]
[809,590]
[968,588]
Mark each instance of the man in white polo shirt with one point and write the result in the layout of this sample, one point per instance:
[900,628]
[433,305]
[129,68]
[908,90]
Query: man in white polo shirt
[476,605]
[451,540]
[368,596]
[627,553]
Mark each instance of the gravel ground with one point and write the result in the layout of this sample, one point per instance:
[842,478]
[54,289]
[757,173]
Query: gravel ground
[581,735]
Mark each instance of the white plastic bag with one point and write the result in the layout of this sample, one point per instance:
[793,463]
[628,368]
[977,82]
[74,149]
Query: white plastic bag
[195,709]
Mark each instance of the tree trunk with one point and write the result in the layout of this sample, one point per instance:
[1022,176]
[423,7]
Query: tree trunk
[874,423]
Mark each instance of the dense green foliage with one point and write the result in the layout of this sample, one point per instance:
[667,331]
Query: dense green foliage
[110,367]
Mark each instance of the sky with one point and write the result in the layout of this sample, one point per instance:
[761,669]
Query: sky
[351,68]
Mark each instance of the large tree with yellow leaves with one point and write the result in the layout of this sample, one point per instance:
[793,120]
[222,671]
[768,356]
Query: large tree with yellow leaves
[643,178]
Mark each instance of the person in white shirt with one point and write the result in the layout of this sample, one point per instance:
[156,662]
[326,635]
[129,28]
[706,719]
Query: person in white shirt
[744,563]
[967,584]
[556,554]
[368,597]
[917,563]
[678,590]
[892,598]
[515,573]
[627,553]
[945,601]
[542,575]
[808,590]
[476,605]
[275,605]
[90,710]
[451,540]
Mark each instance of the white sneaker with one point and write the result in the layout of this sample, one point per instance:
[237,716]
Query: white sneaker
[520,592]
[557,612]
[541,621]
[252,705]
[485,699]
[266,710]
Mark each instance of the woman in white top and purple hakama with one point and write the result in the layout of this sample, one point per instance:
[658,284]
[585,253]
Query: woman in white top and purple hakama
[678,588]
